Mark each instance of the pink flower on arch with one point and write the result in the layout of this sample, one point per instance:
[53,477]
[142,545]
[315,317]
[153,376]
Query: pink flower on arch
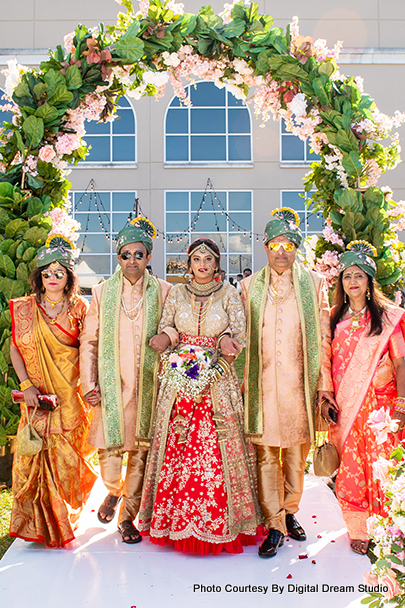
[46,153]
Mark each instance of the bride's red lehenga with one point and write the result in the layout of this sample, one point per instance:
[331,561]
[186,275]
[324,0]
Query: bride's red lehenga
[200,489]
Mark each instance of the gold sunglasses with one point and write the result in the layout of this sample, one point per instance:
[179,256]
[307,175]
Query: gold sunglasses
[288,247]
[57,274]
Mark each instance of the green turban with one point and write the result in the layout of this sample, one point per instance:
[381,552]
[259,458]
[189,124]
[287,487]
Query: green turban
[285,222]
[57,249]
[140,230]
[359,253]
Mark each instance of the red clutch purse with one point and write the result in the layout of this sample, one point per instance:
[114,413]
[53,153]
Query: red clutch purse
[46,402]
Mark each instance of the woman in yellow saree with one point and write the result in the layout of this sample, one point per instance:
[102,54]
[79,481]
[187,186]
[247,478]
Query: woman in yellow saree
[368,372]
[51,487]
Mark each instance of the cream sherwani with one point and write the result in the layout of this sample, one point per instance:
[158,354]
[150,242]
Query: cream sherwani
[285,418]
[130,352]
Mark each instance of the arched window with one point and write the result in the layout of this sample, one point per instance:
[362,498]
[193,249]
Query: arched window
[113,142]
[215,129]
[293,150]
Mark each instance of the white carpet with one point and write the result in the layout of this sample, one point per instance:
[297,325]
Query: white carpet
[97,570]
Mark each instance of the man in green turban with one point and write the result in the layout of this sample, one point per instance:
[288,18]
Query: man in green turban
[287,368]
[118,370]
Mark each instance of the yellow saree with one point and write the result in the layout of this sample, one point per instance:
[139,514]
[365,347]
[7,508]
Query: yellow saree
[51,487]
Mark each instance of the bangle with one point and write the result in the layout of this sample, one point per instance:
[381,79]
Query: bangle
[399,408]
[26,384]
[400,400]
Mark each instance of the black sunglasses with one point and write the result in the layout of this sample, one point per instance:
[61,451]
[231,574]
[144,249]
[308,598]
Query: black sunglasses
[138,255]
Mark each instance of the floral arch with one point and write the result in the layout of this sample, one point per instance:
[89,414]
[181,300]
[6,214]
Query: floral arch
[282,74]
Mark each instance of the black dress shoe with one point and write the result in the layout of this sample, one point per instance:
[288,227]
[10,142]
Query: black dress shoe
[271,543]
[295,531]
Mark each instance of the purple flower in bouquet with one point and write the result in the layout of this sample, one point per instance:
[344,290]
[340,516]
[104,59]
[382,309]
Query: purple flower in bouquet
[193,372]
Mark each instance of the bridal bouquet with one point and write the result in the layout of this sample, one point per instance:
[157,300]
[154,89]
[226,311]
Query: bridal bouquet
[188,369]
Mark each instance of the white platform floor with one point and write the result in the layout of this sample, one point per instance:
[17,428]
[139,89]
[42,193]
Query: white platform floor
[97,570]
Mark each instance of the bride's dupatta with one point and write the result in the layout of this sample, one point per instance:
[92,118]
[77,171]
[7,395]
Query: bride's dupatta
[355,360]
[51,487]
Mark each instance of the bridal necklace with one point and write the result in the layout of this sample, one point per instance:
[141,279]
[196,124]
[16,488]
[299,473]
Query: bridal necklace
[203,290]
[128,312]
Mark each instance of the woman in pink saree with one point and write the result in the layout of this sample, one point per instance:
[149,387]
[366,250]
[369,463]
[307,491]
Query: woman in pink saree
[368,371]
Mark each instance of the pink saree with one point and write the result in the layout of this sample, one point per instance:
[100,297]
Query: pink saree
[364,380]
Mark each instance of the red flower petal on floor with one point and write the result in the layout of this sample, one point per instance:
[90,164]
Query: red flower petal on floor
[313,516]
[303,556]
[319,536]
[289,576]
[332,541]
[313,561]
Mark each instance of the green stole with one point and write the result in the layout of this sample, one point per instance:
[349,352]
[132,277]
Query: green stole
[308,310]
[109,371]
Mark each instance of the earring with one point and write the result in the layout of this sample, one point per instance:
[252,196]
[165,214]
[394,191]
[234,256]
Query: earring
[43,289]
[216,274]
[368,294]
[345,298]
[66,288]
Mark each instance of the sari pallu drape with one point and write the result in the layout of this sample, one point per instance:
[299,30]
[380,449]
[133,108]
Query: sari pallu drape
[364,380]
[51,487]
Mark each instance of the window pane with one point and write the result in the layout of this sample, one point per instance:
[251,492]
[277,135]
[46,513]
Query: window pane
[124,148]
[294,200]
[124,103]
[239,243]
[239,147]
[292,148]
[176,264]
[119,220]
[315,224]
[89,201]
[177,121]
[207,121]
[176,101]
[196,198]
[100,149]
[176,201]
[218,238]
[176,222]
[123,201]
[208,148]
[91,222]
[177,246]
[238,263]
[241,221]
[94,243]
[176,148]
[94,264]
[125,122]
[232,101]
[238,121]
[240,201]
[98,128]
[207,94]
[210,222]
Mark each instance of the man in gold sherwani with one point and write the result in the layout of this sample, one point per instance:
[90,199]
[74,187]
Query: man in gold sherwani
[118,371]
[287,368]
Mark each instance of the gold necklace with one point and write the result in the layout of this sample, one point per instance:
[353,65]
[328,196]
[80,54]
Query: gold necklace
[53,303]
[356,316]
[52,320]
[203,289]
[272,296]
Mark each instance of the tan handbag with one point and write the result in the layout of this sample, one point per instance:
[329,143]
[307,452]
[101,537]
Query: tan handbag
[29,442]
[326,457]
